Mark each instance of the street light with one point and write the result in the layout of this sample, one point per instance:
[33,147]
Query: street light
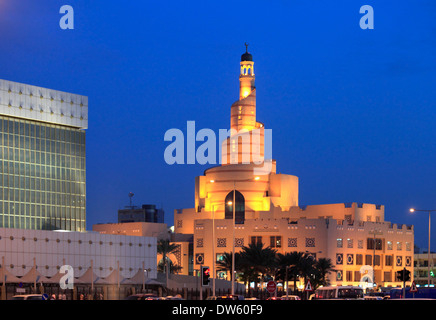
[233,204]
[213,244]
[374,232]
[429,232]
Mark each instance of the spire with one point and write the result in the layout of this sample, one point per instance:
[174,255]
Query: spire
[246,76]
[246,56]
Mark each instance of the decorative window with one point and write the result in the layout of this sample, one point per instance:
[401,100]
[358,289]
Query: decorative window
[292,242]
[199,242]
[339,243]
[360,244]
[339,258]
[350,243]
[239,242]
[399,261]
[221,242]
[310,242]
[350,259]
[199,258]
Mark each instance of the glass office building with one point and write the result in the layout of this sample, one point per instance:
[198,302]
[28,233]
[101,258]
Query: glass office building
[42,158]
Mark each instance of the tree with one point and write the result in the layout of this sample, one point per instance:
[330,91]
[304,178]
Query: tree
[258,260]
[164,247]
[307,268]
[296,264]
[225,264]
[174,268]
[324,266]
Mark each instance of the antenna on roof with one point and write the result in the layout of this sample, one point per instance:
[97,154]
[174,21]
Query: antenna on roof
[131,194]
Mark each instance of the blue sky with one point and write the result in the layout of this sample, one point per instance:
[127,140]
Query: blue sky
[352,111]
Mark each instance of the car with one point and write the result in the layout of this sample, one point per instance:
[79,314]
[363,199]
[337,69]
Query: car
[142,296]
[290,297]
[176,297]
[251,298]
[227,297]
[372,298]
[29,297]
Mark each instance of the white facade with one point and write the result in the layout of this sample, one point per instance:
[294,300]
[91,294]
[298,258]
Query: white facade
[20,249]
[41,104]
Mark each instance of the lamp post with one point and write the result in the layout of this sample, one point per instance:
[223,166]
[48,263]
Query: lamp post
[374,232]
[233,204]
[213,244]
[429,232]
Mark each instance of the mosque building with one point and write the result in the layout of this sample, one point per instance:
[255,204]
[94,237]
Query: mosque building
[244,200]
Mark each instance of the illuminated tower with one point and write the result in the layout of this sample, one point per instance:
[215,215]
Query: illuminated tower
[246,141]
[246,77]
[244,166]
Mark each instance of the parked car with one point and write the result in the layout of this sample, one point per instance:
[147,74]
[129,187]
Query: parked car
[290,297]
[176,297]
[142,296]
[227,297]
[372,298]
[29,297]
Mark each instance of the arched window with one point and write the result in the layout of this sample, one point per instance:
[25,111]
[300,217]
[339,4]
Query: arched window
[239,208]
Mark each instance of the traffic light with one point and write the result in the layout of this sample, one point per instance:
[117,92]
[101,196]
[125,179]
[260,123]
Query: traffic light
[403,275]
[406,275]
[400,275]
[205,275]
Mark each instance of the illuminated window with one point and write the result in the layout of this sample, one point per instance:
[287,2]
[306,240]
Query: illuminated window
[275,241]
[239,207]
[399,245]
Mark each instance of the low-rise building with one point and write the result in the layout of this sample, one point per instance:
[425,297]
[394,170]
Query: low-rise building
[113,264]
[422,266]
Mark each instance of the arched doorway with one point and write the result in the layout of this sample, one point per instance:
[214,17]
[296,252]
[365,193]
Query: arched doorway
[239,207]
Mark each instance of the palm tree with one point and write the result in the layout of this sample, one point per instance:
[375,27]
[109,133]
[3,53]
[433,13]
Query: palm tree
[307,267]
[259,260]
[164,247]
[324,266]
[225,264]
[286,267]
[295,261]
[173,268]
